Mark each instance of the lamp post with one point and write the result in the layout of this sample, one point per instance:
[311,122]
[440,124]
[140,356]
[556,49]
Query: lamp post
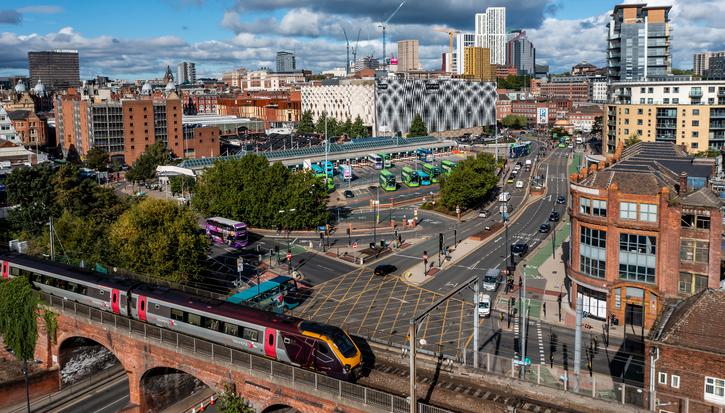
[286,227]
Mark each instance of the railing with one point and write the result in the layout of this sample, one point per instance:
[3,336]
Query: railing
[222,354]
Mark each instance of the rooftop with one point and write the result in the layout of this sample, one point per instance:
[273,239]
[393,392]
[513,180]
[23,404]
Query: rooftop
[696,323]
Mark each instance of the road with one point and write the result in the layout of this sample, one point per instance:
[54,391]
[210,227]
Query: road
[108,398]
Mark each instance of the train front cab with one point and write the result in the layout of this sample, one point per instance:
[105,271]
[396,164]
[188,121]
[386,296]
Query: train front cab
[330,360]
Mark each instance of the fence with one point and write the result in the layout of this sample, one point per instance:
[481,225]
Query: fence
[222,354]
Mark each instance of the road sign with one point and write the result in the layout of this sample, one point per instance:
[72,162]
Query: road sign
[240,264]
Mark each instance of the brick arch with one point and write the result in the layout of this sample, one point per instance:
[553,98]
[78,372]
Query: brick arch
[280,408]
[153,401]
[64,337]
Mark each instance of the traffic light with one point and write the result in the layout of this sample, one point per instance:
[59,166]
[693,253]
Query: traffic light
[440,241]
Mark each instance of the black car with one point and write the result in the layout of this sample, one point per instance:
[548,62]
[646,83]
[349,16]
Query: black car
[349,194]
[544,228]
[554,216]
[561,199]
[519,249]
[384,269]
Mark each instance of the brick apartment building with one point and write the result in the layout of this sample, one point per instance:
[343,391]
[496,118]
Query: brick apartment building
[503,107]
[271,107]
[685,356]
[529,107]
[571,88]
[645,228]
[125,128]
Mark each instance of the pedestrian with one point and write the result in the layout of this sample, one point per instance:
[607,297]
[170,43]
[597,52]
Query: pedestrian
[544,308]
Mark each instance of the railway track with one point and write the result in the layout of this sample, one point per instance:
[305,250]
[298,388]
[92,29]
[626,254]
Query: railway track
[441,382]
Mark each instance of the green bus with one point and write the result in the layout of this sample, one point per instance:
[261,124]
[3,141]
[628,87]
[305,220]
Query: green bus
[447,166]
[387,160]
[410,177]
[387,180]
[433,171]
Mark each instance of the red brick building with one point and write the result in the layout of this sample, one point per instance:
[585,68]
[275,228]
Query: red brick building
[569,88]
[640,234]
[505,71]
[271,107]
[685,356]
[32,129]
[529,108]
[503,107]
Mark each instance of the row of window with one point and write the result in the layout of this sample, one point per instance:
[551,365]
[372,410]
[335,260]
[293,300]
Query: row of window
[647,212]
[692,283]
[694,251]
[216,325]
[50,281]
[714,389]
[596,207]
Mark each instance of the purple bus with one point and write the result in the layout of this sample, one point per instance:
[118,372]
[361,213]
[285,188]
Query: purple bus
[227,231]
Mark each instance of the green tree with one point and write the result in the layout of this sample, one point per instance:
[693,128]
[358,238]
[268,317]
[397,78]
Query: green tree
[231,402]
[320,125]
[161,239]
[417,127]
[97,159]
[358,128]
[470,182]
[631,140]
[18,320]
[145,166]
[182,183]
[332,127]
[344,128]
[306,125]
[73,156]
[514,121]
[31,191]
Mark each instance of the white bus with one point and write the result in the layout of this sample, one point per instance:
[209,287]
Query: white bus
[376,160]
[345,171]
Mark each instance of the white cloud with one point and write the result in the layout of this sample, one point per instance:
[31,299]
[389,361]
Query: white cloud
[41,9]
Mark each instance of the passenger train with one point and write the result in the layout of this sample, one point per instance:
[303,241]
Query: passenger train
[306,344]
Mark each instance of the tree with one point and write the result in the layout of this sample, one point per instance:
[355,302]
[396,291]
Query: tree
[73,156]
[145,166]
[160,238]
[18,321]
[514,82]
[320,125]
[358,128]
[97,159]
[631,140]
[514,121]
[231,402]
[31,191]
[182,183]
[417,127]
[470,182]
[306,125]
[332,127]
[344,128]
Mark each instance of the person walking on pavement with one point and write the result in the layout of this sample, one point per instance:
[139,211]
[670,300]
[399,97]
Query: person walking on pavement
[544,306]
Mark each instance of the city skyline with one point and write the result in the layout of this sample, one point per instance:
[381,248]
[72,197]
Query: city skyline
[220,36]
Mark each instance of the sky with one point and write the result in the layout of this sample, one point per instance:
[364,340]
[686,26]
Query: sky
[137,39]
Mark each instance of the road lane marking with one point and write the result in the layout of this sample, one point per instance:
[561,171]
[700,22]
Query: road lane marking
[111,404]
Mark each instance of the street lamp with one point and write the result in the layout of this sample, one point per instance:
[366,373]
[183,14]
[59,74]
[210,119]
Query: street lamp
[286,227]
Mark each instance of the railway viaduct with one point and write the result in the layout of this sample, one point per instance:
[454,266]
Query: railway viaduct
[144,350]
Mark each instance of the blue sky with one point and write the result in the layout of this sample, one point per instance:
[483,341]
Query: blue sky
[137,39]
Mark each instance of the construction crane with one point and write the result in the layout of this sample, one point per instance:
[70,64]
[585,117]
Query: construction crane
[450,32]
[384,25]
[347,62]
[354,49]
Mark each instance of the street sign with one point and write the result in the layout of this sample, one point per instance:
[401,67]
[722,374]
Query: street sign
[240,264]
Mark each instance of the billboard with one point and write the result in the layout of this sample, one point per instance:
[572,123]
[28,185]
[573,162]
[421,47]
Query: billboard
[542,116]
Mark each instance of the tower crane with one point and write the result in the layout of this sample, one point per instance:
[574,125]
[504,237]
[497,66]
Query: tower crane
[384,25]
[354,49]
[450,32]
[347,43]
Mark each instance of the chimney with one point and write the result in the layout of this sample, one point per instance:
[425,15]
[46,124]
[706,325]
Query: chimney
[683,182]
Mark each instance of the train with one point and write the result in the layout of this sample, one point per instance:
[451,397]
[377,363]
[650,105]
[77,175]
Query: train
[302,343]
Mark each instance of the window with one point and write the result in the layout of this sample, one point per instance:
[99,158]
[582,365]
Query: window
[639,122]
[695,134]
[177,315]
[711,89]
[676,89]
[592,252]
[694,145]
[675,101]
[211,324]
[714,390]
[695,221]
[650,90]
[695,123]
[642,90]
[695,112]
[667,90]
[626,111]
[666,100]
[692,283]
[251,335]
[585,206]
[193,319]
[637,257]
[626,121]
[599,207]
[231,329]
[675,381]
[648,212]
[695,251]
[270,340]
[641,101]
[627,210]
[661,378]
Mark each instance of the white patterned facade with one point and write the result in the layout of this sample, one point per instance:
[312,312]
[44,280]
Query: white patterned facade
[444,104]
[343,101]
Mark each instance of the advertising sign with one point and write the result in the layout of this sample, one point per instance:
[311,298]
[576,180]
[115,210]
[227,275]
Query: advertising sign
[542,116]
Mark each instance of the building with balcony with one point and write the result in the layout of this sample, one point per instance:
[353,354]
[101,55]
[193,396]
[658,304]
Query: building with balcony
[638,42]
[645,228]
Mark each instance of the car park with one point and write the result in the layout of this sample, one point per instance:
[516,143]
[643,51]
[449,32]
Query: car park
[349,194]
[544,228]
[484,305]
[519,249]
[384,269]
[554,216]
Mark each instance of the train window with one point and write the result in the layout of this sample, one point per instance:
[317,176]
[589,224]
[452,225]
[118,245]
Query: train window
[231,329]
[14,271]
[270,340]
[177,315]
[115,299]
[250,334]
[143,305]
[211,324]
[193,319]
[322,348]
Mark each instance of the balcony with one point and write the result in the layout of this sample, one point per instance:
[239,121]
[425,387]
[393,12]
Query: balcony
[695,93]
[721,91]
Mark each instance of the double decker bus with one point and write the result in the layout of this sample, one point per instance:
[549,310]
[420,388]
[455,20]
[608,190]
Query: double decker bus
[345,171]
[376,160]
[227,231]
[517,150]
[424,154]
[278,294]
[387,160]
[387,181]
[317,170]
[433,171]
[329,168]
[410,177]
[447,166]
[424,177]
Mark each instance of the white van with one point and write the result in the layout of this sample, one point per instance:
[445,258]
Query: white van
[490,279]
[504,197]
[484,305]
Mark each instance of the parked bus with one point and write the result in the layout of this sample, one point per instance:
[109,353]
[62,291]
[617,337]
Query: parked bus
[433,171]
[278,294]
[329,168]
[423,177]
[227,231]
[387,181]
[387,160]
[376,160]
[517,150]
[317,170]
[424,154]
[410,177]
[448,166]
[345,171]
